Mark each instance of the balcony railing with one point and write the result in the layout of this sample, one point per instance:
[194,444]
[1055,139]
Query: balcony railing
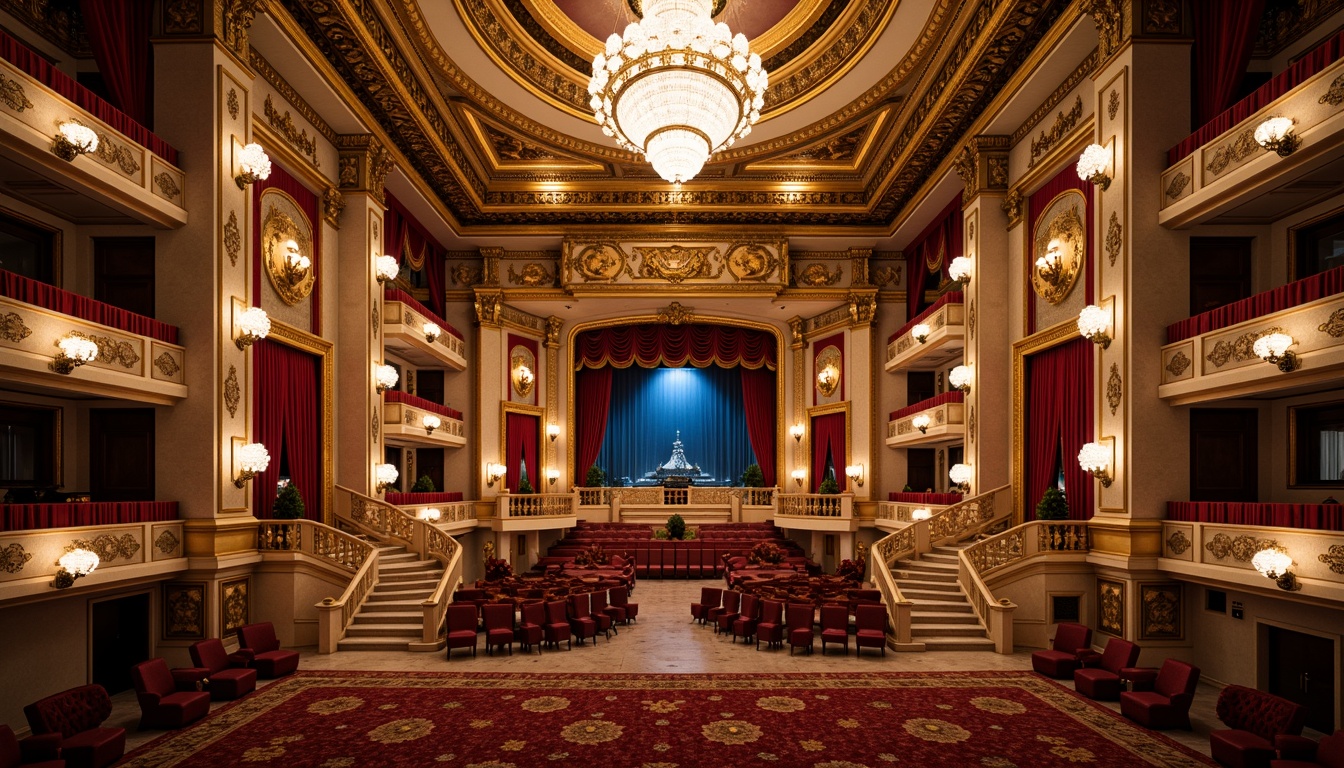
[404,321]
[947,422]
[816,511]
[894,515]
[133,551]
[946,320]
[1222,552]
[404,423]
[534,505]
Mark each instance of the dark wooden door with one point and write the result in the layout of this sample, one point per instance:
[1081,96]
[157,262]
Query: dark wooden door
[121,454]
[919,473]
[1224,460]
[919,385]
[429,461]
[1302,669]
[1220,271]
[123,273]
[120,639]
[429,385]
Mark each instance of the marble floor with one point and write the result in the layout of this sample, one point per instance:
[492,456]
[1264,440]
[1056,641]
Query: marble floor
[665,640]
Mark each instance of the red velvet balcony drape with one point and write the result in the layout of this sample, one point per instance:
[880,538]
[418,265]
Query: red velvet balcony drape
[930,253]
[25,517]
[407,240]
[1296,293]
[828,432]
[119,36]
[1326,517]
[654,346]
[758,400]
[1224,35]
[1059,421]
[287,419]
[522,444]
[30,291]
[593,387]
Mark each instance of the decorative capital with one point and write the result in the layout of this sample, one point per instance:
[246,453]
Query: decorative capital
[364,164]
[862,309]
[1012,206]
[553,326]
[1109,16]
[982,165]
[488,307]
[235,20]
[333,204]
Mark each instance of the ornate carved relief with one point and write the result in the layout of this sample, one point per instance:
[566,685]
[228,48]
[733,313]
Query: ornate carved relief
[167,543]
[1241,548]
[818,276]
[233,238]
[1334,558]
[1178,543]
[1177,185]
[374,320]
[1109,16]
[374,421]
[11,93]
[1111,607]
[1162,17]
[488,307]
[1113,390]
[553,327]
[829,361]
[13,558]
[1114,239]
[970,425]
[286,234]
[183,611]
[1178,363]
[1160,612]
[887,276]
[237,19]
[531,275]
[1233,151]
[837,150]
[333,204]
[167,186]
[1112,105]
[1060,244]
[297,137]
[970,319]
[232,103]
[465,274]
[182,17]
[516,149]
[599,262]
[234,604]
[676,314]
[677,263]
[112,350]
[13,329]
[115,153]
[108,547]
[1012,206]
[750,262]
[1335,96]
[167,365]
[862,309]
[1239,350]
[1058,130]
[1335,325]
[233,395]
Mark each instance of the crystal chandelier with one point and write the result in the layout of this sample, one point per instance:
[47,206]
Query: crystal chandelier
[677,87]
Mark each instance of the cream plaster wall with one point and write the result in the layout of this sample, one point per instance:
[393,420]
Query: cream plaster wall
[288,599]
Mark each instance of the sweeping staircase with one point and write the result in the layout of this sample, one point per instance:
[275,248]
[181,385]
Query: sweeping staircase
[391,618]
[941,617]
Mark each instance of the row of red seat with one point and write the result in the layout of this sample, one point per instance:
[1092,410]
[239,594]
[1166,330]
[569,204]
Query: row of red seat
[538,623]
[747,616]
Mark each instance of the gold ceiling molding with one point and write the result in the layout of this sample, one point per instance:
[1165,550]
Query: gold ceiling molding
[505,150]
[849,151]
[1085,68]
[263,67]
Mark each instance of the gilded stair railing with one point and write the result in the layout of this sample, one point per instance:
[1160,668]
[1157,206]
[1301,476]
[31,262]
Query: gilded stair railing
[350,553]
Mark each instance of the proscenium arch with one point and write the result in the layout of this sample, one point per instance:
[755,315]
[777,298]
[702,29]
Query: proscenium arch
[645,319]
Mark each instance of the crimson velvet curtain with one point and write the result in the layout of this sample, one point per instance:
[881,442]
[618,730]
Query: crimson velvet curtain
[1224,35]
[672,346]
[828,433]
[522,445]
[287,416]
[758,401]
[594,404]
[930,253]
[118,33]
[1059,421]
[405,238]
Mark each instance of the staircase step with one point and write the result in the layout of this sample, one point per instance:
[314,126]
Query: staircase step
[947,630]
[389,577]
[407,631]
[427,585]
[957,643]
[933,577]
[407,566]
[398,556]
[943,606]
[912,585]
[941,558]
[389,617]
[399,596]
[943,617]
[402,606]
[373,644]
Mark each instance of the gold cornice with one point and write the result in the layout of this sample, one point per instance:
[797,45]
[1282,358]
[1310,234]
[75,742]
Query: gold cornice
[280,150]
[263,67]
[1085,68]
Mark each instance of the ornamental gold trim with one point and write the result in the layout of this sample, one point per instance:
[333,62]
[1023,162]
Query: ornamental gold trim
[167,186]
[1178,364]
[286,232]
[1335,96]
[233,394]
[1234,151]
[297,137]
[1061,238]
[1333,326]
[118,154]
[1177,185]
[1238,350]
[818,276]
[1113,388]
[12,328]
[676,314]
[11,93]
[13,557]
[1114,238]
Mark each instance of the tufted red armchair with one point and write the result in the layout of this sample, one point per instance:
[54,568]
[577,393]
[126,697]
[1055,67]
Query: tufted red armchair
[1168,704]
[229,676]
[257,643]
[32,752]
[162,705]
[1102,682]
[77,715]
[1071,642]
[1301,752]
[1254,719]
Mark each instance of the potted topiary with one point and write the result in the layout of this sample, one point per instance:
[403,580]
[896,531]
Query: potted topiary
[596,477]
[753,477]
[424,485]
[288,503]
[524,486]
[829,486]
[676,527]
[1053,506]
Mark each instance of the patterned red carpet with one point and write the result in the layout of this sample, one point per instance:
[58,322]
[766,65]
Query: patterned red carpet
[334,720]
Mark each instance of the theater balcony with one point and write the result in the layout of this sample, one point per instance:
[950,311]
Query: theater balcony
[137,357]
[1222,175]
[535,511]
[1222,554]
[817,512]
[942,416]
[1212,355]
[128,553]
[131,175]
[902,509]
[415,421]
[409,332]
[943,327]
[444,509]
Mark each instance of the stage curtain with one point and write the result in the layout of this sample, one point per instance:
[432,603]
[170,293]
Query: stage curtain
[1224,35]
[593,405]
[1059,421]
[118,33]
[758,405]
[522,439]
[672,346]
[828,432]
[1326,517]
[287,417]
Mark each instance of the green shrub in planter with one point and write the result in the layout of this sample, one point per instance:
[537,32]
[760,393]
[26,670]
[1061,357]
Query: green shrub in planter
[829,486]
[596,477]
[753,477]
[423,485]
[524,486]
[288,503]
[1053,506]
[676,527]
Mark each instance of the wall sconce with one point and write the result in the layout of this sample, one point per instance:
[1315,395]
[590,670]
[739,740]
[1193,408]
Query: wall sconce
[431,331]
[827,378]
[1095,459]
[73,139]
[493,472]
[75,351]
[386,268]
[430,422]
[1094,324]
[921,422]
[961,377]
[1273,348]
[384,378]
[553,431]
[960,269]
[796,432]
[920,332]
[1092,165]
[525,377]
[74,564]
[552,475]
[296,265]
[430,515]
[961,475]
[1274,564]
[1276,134]
[798,476]
[253,459]
[923,513]
[253,165]
[385,475]
[253,325]
[855,473]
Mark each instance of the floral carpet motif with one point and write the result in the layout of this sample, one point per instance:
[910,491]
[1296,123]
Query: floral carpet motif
[484,720]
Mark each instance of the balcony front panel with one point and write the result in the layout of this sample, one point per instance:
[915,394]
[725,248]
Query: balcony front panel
[129,366]
[404,335]
[1222,363]
[404,425]
[943,346]
[948,426]
[126,553]
[1219,553]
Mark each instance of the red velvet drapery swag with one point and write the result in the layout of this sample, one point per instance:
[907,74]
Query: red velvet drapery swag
[828,432]
[119,36]
[672,346]
[593,387]
[1059,421]
[758,400]
[307,201]
[287,415]
[1224,36]
[521,435]
[929,255]
[407,240]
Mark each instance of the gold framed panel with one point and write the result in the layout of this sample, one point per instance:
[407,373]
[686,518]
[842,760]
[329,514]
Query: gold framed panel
[1060,222]
[1111,607]
[235,605]
[1161,611]
[184,611]
[324,351]
[283,222]
[826,410]
[1038,342]
[1292,446]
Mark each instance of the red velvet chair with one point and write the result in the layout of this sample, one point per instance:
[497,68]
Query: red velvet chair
[771,626]
[227,677]
[834,626]
[801,617]
[870,628]
[531,622]
[461,619]
[1103,682]
[620,598]
[1255,719]
[34,751]
[1168,704]
[580,621]
[498,626]
[76,716]
[258,645]
[167,701]
[724,616]
[1301,752]
[1071,642]
[556,627]
[744,626]
[606,622]
[710,598]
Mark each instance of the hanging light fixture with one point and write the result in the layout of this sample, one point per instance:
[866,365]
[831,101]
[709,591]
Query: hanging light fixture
[677,87]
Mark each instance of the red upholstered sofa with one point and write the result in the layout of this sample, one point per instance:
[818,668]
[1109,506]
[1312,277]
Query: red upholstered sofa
[1254,719]
[32,752]
[1071,643]
[1168,704]
[262,650]
[77,715]
[168,700]
[1301,752]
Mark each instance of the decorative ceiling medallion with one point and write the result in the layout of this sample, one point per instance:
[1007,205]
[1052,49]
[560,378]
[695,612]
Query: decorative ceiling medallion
[1059,247]
[287,247]
[600,262]
[829,363]
[752,262]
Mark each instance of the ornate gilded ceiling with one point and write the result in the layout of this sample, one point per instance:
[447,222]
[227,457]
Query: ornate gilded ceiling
[485,99]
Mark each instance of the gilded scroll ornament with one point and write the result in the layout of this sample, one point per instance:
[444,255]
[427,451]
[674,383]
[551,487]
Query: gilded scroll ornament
[1241,548]
[333,205]
[1233,151]
[1112,105]
[11,93]
[1160,611]
[1334,558]
[488,307]
[287,248]
[233,395]
[1178,543]
[1177,364]
[167,365]
[1060,246]
[112,350]
[115,153]
[598,262]
[1114,238]
[465,274]
[1111,607]
[751,262]
[970,425]
[1058,130]
[108,547]
[1334,97]
[234,605]
[817,276]
[12,328]
[676,314]
[297,137]
[374,421]
[233,105]
[1012,206]
[182,17]
[862,309]
[1335,325]
[1109,17]
[970,319]
[184,610]
[531,275]
[837,150]
[677,263]
[1177,185]
[167,542]
[1113,388]
[13,558]
[167,186]
[887,276]
[233,238]
[1239,350]
[515,149]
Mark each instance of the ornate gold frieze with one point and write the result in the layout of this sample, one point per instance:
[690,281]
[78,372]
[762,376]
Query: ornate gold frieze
[862,309]
[13,558]
[1111,30]
[233,395]
[11,93]
[531,275]
[12,328]
[818,276]
[1058,130]
[1178,543]
[677,263]
[333,204]
[488,306]
[1335,325]
[1111,607]
[183,611]
[1177,364]
[1233,151]
[983,165]
[268,73]
[287,236]
[465,274]
[888,276]
[363,164]
[167,186]
[827,319]
[1084,69]
[297,137]
[118,154]
[1239,350]
[1241,548]
[676,314]
[1059,247]
[1114,239]
[1113,388]
[108,547]
[751,262]
[839,149]
[233,604]
[237,20]
[167,365]
[233,238]
[1177,185]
